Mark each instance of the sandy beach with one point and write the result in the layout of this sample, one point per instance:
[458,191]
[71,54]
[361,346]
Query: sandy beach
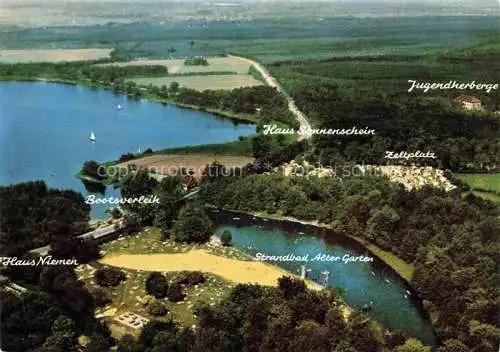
[238,271]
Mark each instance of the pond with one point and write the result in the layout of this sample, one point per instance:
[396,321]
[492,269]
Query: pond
[394,303]
[45,129]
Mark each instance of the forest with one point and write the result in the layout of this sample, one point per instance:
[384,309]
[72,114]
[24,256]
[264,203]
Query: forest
[461,141]
[372,91]
[33,215]
[452,242]
[251,318]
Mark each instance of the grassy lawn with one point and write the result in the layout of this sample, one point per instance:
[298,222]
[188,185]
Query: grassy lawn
[130,296]
[486,186]
[404,269]
[483,182]
[148,242]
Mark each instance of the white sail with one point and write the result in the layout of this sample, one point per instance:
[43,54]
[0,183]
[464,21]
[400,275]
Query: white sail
[119,107]
[92,136]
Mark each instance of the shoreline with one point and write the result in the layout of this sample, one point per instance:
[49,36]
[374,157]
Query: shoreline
[234,117]
[376,251]
[403,269]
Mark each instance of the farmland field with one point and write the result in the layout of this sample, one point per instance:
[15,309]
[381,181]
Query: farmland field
[212,82]
[52,55]
[217,64]
[164,164]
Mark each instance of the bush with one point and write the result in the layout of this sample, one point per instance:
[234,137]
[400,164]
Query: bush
[100,297]
[226,238]
[128,343]
[157,309]
[109,277]
[291,287]
[156,285]
[192,225]
[175,293]
[191,278]
[126,157]
[196,61]
[115,213]
[91,168]
[201,306]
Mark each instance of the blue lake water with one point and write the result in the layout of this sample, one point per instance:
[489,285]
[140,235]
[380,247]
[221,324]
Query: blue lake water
[45,128]
[361,282]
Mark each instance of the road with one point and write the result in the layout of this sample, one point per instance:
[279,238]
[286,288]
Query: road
[92,235]
[305,126]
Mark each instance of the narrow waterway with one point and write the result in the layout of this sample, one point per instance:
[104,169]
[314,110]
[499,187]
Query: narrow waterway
[394,304]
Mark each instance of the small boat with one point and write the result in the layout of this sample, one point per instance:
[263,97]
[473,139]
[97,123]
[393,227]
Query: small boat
[119,107]
[265,220]
[405,296]
[373,273]
[386,280]
[92,136]
[366,307]
[236,218]
[301,233]
[408,292]
[215,211]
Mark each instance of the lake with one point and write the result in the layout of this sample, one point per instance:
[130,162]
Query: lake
[45,128]
[395,304]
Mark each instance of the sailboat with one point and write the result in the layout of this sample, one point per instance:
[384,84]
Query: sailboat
[92,136]
[119,107]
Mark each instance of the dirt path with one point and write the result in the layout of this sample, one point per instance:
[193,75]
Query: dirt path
[272,82]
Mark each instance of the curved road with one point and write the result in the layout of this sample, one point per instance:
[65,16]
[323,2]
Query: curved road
[272,82]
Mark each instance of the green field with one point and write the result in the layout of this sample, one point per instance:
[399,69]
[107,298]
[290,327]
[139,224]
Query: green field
[148,242]
[216,64]
[486,186]
[488,196]
[276,39]
[482,182]
[238,148]
[212,82]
